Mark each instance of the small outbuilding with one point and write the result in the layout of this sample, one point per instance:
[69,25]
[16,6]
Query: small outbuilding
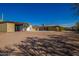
[9,26]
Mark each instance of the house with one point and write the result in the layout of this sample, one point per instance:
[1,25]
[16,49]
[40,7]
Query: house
[48,28]
[10,26]
[35,28]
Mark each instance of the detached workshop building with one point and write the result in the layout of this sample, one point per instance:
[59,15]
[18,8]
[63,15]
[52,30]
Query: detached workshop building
[9,26]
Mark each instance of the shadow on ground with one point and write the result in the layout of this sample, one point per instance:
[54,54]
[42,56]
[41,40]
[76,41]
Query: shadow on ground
[55,45]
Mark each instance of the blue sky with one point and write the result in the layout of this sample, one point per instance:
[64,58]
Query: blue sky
[37,14]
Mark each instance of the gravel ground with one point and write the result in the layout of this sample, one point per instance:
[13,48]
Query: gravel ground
[49,43]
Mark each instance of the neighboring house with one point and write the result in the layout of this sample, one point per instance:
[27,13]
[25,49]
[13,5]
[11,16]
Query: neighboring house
[49,28]
[35,28]
[9,26]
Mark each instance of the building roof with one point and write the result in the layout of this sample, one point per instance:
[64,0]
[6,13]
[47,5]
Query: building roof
[49,26]
[18,23]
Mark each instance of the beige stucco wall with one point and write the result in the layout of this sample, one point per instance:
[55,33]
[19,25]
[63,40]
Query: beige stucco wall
[35,29]
[10,27]
[7,27]
[3,27]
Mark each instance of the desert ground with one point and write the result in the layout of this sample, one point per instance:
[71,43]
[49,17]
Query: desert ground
[42,42]
[8,39]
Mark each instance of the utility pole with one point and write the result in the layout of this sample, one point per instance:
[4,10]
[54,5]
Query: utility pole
[2,17]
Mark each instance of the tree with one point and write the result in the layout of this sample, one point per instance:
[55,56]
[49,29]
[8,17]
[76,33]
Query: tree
[25,25]
[77,26]
[61,28]
[76,8]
